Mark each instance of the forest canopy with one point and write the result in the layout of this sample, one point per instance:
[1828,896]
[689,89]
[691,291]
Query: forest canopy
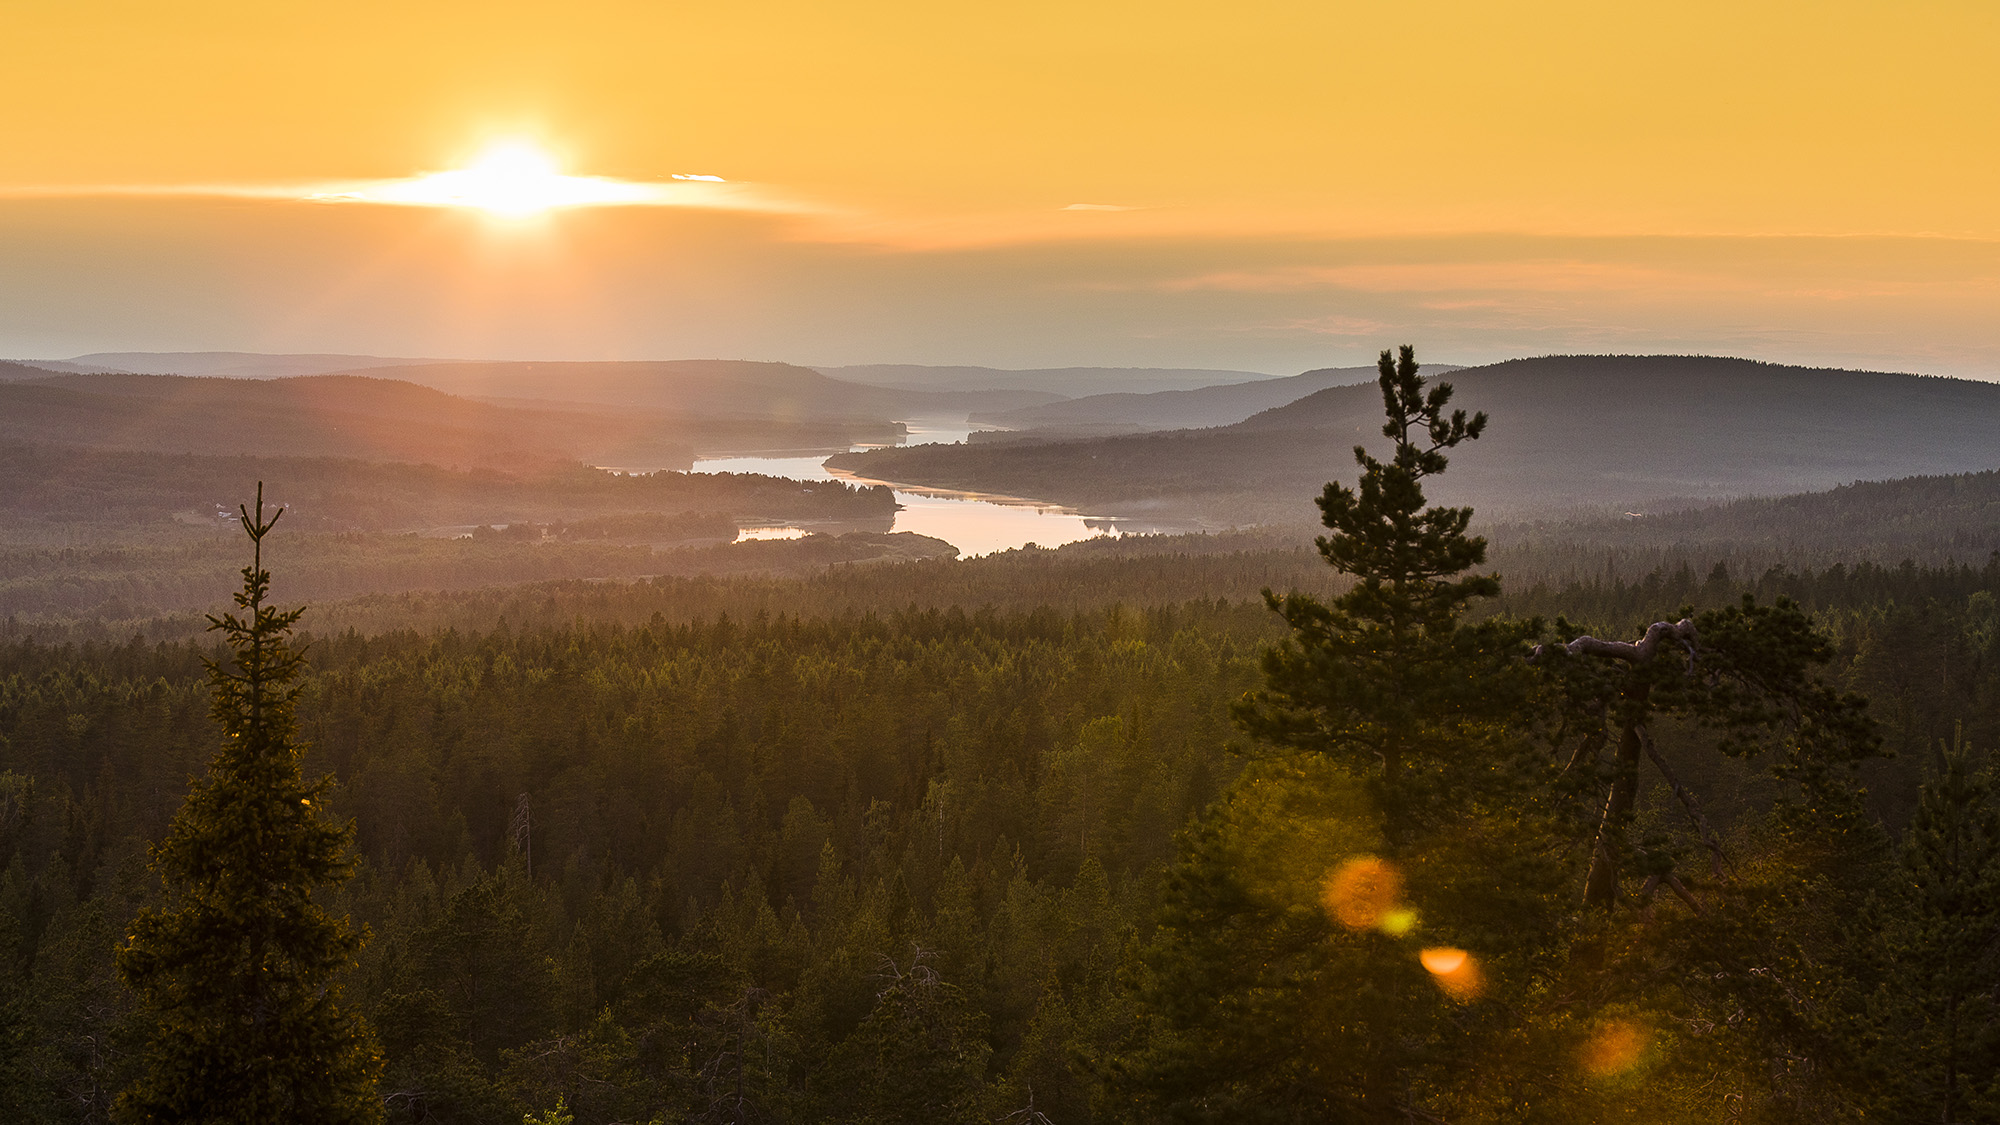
[1093,835]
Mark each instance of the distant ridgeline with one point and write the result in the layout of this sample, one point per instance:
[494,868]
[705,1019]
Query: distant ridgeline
[450,412]
[376,418]
[1928,520]
[1580,432]
[117,494]
[1192,408]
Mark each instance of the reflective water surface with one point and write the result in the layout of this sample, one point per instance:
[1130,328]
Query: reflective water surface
[975,523]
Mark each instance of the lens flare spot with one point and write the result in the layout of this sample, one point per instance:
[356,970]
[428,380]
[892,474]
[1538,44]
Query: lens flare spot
[1455,971]
[1361,893]
[1444,962]
[1396,923]
[1615,1047]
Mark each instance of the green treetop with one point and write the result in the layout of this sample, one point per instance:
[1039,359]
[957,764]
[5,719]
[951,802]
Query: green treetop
[1385,679]
[1936,1015]
[237,968]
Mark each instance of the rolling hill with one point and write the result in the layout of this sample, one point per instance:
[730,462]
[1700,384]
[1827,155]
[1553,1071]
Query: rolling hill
[372,419]
[21,372]
[1054,382]
[232,365]
[720,388]
[740,390]
[65,494]
[1218,405]
[1568,433]
[1929,520]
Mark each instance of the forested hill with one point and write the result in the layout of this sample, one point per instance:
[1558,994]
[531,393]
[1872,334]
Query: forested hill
[111,496]
[16,372]
[711,388]
[1928,520]
[1054,382]
[1219,405]
[234,365]
[1674,392]
[375,419]
[1567,432]
[350,416]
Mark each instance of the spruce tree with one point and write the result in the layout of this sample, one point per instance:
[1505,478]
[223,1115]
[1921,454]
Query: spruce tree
[1936,1013]
[1387,680]
[1395,736]
[237,968]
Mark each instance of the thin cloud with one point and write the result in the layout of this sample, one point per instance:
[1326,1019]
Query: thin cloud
[1096,207]
[450,189]
[1336,326]
[1431,277]
[1300,327]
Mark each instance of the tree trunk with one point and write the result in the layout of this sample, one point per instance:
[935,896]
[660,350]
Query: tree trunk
[1600,887]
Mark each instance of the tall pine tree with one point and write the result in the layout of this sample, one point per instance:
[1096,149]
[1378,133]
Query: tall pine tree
[1347,929]
[1387,680]
[237,968]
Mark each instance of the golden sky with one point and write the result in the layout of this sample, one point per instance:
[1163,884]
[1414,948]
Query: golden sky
[1272,182]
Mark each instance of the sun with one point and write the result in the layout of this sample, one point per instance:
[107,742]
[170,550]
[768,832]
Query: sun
[508,179]
[518,180]
[513,179]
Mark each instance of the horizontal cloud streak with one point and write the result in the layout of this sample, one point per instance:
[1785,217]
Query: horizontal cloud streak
[698,192]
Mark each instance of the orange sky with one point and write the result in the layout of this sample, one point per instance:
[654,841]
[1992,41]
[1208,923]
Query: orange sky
[1305,182]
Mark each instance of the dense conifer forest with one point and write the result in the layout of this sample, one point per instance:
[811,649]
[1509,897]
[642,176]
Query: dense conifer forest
[742,828]
[1078,836]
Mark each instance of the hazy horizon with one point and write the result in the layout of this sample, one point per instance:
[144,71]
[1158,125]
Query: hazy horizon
[158,364]
[1114,304]
[1273,189]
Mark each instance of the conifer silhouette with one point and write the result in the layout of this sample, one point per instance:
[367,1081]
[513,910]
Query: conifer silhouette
[237,968]
[1387,679]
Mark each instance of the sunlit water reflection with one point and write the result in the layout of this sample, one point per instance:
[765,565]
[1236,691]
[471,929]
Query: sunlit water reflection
[755,534]
[975,523]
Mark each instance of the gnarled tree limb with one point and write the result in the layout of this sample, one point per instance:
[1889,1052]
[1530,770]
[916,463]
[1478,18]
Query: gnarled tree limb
[1636,652]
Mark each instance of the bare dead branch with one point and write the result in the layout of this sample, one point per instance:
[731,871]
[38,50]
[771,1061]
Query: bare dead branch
[1636,652]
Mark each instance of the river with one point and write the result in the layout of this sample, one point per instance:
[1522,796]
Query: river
[976,523]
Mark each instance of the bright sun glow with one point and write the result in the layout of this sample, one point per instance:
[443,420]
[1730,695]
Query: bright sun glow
[508,180]
[515,179]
